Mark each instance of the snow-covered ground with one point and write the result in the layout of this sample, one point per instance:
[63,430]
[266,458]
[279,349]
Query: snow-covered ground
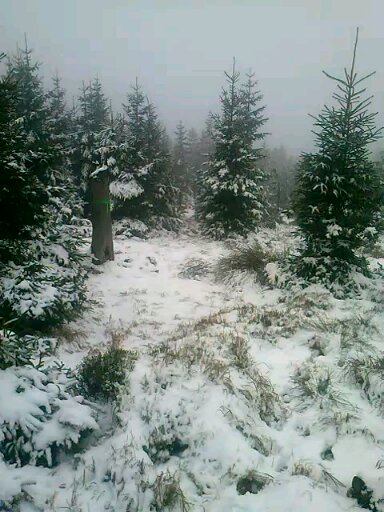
[236,388]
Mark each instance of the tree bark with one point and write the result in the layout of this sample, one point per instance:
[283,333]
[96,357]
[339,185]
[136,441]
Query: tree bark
[102,240]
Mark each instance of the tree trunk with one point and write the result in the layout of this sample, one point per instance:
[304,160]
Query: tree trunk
[102,240]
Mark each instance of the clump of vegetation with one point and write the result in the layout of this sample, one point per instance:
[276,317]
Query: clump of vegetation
[239,349]
[102,374]
[312,382]
[260,393]
[315,383]
[248,258]
[253,482]
[167,494]
[270,322]
[195,268]
[303,469]
[367,371]
[357,333]
[194,353]
[163,444]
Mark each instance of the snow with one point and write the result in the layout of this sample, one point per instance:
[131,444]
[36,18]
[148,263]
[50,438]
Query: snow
[197,409]
[126,190]
[60,252]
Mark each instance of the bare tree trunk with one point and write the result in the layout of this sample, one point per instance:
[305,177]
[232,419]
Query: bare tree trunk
[102,240]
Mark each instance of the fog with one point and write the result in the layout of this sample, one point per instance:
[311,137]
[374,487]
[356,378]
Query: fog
[179,50]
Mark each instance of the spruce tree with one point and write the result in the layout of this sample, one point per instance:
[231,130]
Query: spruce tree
[163,195]
[200,147]
[41,275]
[26,174]
[145,189]
[11,183]
[180,166]
[128,189]
[60,127]
[338,196]
[231,195]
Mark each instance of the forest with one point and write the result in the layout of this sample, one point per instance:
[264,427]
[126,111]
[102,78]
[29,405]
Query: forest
[189,320]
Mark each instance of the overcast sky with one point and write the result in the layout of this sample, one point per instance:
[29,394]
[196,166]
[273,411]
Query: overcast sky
[179,49]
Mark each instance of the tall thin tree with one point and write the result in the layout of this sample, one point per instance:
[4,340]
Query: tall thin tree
[231,195]
[338,197]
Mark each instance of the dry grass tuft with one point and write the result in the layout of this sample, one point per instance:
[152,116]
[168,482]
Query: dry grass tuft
[168,495]
[249,258]
[70,335]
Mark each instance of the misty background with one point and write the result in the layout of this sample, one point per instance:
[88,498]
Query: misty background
[180,49]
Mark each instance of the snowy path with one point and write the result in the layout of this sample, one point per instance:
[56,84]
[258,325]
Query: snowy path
[143,294]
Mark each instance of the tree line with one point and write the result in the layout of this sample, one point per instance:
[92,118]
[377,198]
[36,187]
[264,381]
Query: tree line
[61,164]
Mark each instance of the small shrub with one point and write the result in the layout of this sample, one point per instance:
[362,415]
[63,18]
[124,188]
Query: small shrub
[168,223]
[39,417]
[48,287]
[101,375]
[250,258]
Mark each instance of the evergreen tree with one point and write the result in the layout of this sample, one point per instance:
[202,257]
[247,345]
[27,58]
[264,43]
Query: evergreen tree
[206,143]
[61,137]
[26,168]
[146,189]
[164,197]
[338,197]
[129,188]
[80,113]
[11,183]
[59,122]
[42,275]
[231,196]
[199,149]
[180,165]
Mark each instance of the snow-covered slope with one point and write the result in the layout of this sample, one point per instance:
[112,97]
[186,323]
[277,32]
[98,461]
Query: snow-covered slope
[242,398]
